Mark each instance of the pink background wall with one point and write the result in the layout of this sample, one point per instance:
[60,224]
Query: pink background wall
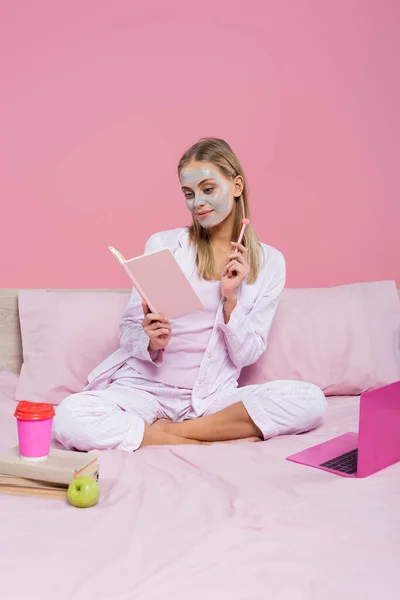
[100,98]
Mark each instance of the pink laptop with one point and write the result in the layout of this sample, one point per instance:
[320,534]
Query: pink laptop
[375,447]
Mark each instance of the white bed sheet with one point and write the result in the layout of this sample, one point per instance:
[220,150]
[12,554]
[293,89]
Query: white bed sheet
[235,522]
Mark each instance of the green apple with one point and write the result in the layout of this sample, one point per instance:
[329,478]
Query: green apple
[83,492]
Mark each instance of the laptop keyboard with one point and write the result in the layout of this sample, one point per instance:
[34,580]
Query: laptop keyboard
[345,463]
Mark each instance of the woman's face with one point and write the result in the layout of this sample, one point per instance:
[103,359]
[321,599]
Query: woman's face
[209,195]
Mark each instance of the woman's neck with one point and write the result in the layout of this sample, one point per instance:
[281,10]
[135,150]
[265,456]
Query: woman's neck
[221,235]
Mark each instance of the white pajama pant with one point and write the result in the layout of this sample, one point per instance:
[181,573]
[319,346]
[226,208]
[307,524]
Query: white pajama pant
[114,417]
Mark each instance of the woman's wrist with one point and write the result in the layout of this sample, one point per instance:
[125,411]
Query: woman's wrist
[229,305]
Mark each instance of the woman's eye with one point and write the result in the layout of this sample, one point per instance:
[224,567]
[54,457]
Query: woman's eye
[189,195]
[208,190]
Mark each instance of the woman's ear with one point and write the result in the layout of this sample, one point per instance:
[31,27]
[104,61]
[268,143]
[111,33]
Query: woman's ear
[238,185]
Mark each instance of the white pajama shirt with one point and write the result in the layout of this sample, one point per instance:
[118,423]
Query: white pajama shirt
[197,375]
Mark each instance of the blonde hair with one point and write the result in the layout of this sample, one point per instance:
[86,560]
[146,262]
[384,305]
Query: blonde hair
[220,154]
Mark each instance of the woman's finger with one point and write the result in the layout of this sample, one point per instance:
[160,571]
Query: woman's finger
[158,333]
[233,265]
[240,248]
[235,269]
[158,325]
[151,317]
[239,257]
[241,270]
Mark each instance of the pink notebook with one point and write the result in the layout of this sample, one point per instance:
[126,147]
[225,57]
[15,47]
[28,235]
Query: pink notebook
[161,283]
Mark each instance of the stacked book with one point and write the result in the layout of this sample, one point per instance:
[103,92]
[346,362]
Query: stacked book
[50,477]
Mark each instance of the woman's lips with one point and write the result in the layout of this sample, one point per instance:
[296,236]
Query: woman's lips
[203,214]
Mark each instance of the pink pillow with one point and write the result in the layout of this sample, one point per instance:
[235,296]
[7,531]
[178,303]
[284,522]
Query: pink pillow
[344,339]
[65,334]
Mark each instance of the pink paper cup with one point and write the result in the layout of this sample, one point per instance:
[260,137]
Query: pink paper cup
[34,425]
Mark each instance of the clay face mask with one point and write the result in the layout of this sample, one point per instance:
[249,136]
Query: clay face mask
[209,202]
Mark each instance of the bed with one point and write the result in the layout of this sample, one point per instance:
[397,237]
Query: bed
[235,522]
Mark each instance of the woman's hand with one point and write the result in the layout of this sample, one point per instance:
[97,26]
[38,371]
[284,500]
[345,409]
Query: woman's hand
[235,272]
[157,328]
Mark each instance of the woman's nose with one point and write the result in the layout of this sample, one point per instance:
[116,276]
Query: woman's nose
[199,200]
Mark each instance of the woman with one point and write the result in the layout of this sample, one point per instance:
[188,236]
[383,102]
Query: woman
[176,383]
